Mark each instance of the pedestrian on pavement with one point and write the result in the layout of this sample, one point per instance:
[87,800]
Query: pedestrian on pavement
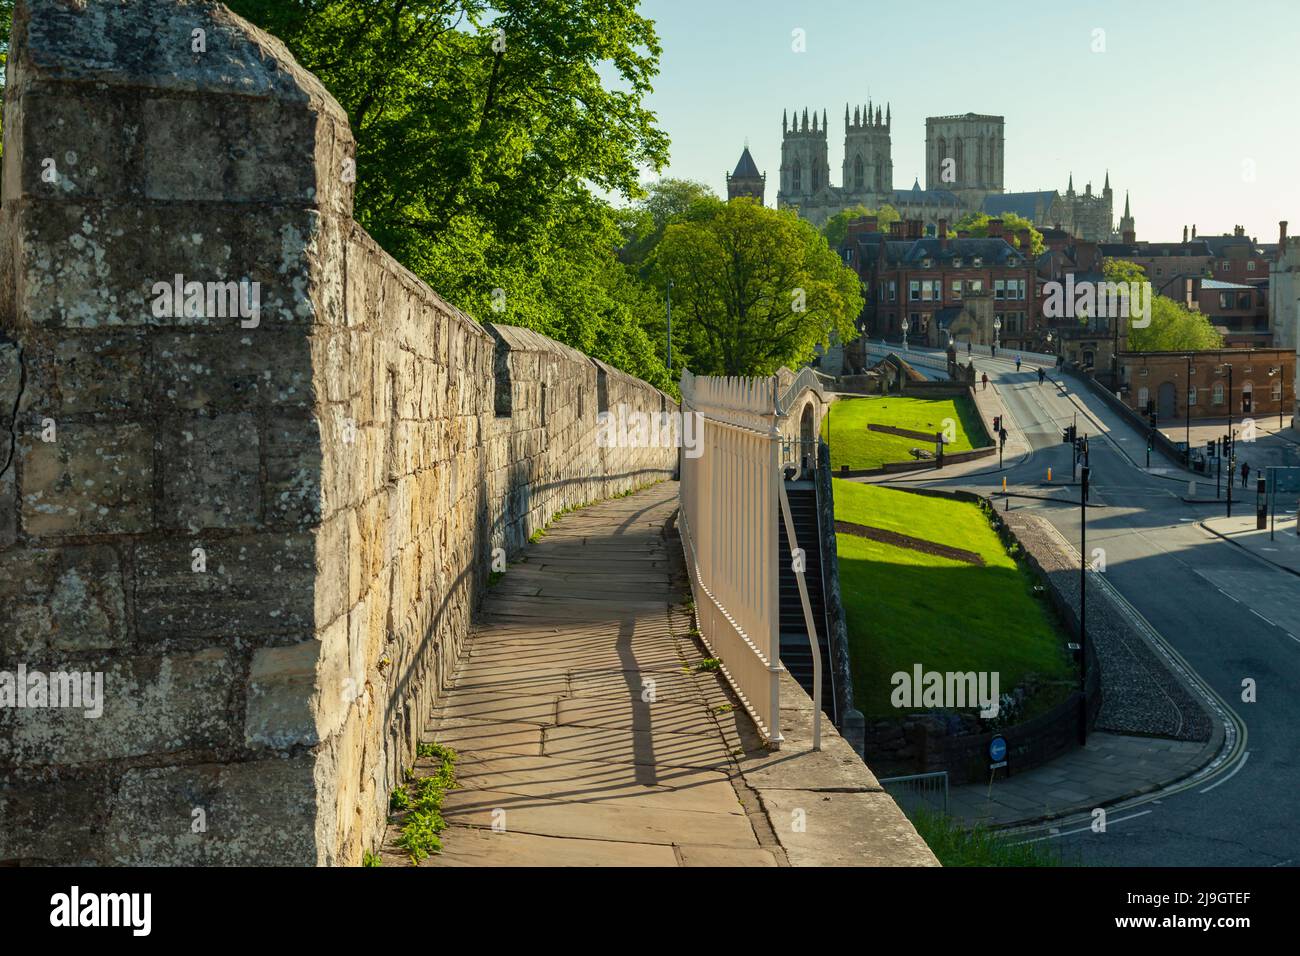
[1245,472]
[1042,374]
[1017,361]
[984,377]
[968,347]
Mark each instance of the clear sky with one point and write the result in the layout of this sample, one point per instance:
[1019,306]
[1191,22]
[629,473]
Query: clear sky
[1187,97]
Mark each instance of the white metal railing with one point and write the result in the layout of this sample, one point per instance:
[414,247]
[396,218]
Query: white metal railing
[913,356]
[731,498]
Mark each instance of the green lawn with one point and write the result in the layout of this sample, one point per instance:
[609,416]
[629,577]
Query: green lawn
[853,445]
[905,607]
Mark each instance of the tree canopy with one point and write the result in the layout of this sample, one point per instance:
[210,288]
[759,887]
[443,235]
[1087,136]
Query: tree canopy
[837,227]
[482,131]
[977,224]
[1173,328]
[753,289]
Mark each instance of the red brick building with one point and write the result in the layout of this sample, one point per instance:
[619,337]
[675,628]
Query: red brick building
[907,275]
[1261,384]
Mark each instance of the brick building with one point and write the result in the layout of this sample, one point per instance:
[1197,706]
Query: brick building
[932,282]
[1262,381]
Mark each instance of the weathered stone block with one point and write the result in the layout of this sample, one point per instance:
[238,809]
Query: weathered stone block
[299,694]
[256,813]
[88,373]
[224,371]
[61,603]
[293,472]
[54,819]
[210,472]
[151,706]
[94,478]
[254,584]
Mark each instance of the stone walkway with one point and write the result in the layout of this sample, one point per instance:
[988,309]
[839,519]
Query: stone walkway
[562,761]
[1109,767]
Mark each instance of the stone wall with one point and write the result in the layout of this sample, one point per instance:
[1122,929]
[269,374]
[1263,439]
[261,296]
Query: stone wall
[268,532]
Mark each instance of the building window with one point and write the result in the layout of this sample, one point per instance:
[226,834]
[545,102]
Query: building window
[1277,390]
[1250,266]
[1144,397]
[816,178]
[914,290]
[893,291]
[1216,395]
[857,172]
[977,285]
[1191,395]
[999,289]
[796,176]
[956,289]
[1225,300]
[1243,301]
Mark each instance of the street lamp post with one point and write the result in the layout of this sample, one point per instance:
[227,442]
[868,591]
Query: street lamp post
[1281,398]
[906,325]
[997,333]
[1187,400]
[1084,475]
[1232,444]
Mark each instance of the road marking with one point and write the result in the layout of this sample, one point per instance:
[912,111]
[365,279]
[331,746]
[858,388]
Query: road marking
[1262,617]
[1235,770]
[1109,823]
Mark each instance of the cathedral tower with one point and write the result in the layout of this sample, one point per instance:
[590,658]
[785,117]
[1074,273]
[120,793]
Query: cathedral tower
[963,154]
[805,163]
[746,180]
[868,171]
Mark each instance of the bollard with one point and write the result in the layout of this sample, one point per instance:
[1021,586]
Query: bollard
[1004,484]
[1049,476]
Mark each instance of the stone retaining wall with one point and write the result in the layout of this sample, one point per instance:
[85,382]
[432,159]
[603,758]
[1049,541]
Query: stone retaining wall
[267,532]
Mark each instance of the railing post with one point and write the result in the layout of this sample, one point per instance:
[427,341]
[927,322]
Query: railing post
[773,574]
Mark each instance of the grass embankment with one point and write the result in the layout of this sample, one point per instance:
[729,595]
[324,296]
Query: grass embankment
[905,607]
[956,845]
[852,444]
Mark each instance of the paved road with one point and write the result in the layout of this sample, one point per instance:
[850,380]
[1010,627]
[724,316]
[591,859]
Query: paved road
[1230,616]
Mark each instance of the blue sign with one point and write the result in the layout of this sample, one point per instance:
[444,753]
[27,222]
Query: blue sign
[998,749]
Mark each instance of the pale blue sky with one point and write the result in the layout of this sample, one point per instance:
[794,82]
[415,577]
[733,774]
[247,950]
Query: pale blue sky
[1185,92]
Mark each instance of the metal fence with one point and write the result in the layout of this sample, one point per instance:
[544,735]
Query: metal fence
[733,502]
[929,790]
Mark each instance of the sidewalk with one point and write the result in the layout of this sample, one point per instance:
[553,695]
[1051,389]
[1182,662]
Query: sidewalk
[1279,545]
[561,760]
[1109,768]
[589,733]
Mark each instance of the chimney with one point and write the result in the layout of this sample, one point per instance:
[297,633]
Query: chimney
[1184,233]
[860,226]
[943,235]
[1238,230]
[995,228]
[1026,241]
[1193,230]
[963,233]
[896,229]
[915,228]
[1281,236]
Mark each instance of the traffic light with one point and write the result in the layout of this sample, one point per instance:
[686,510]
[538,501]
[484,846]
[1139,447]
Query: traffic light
[1068,436]
[997,424]
[1209,448]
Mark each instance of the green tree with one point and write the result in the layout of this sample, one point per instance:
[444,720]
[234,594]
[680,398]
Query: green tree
[481,131]
[837,227]
[1173,328]
[977,224]
[754,289]
[667,200]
